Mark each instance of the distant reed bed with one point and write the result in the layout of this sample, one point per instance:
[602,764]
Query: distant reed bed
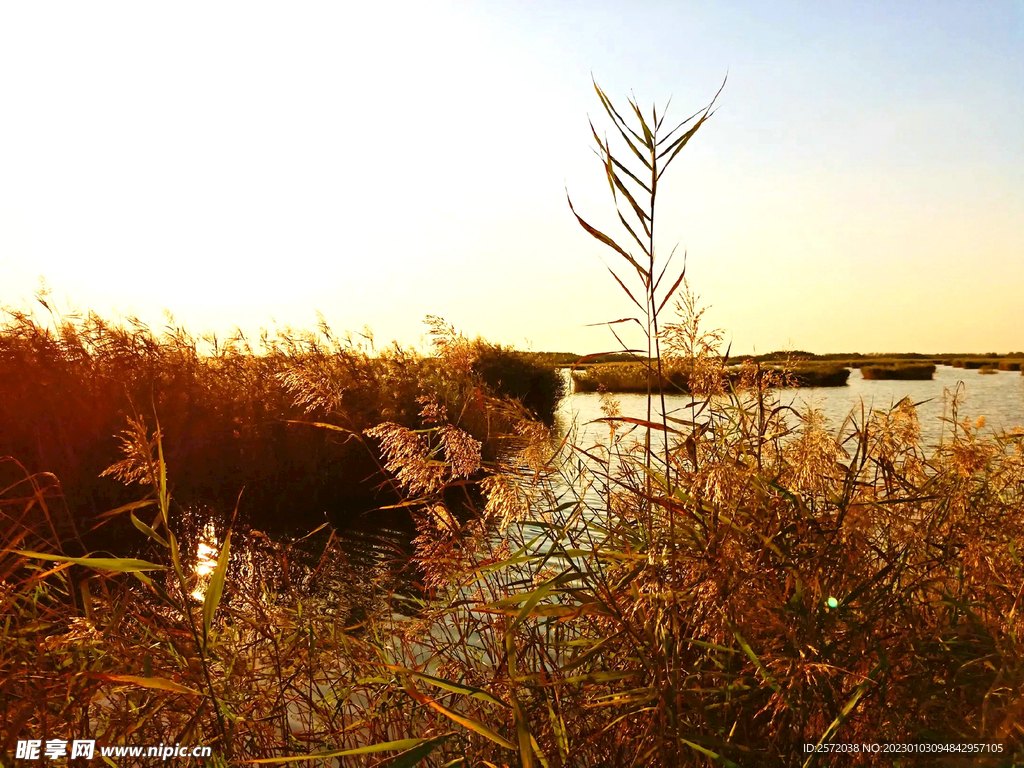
[1011,363]
[907,371]
[628,377]
[749,585]
[642,377]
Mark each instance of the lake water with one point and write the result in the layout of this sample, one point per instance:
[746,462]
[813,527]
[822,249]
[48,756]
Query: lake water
[998,397]
[371,541]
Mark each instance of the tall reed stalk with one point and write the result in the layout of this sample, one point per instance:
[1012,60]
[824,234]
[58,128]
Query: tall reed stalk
[655,151]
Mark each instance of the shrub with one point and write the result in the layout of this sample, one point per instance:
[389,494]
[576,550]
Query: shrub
[509,373]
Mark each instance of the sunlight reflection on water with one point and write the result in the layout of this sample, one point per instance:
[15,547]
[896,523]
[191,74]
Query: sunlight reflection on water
[207,550]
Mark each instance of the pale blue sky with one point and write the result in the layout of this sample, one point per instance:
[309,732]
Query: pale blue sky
[861,187]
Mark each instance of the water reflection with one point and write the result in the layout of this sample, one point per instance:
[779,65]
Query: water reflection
[207,551]
[345,569]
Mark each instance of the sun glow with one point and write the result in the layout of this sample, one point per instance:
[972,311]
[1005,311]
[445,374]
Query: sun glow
[206,560]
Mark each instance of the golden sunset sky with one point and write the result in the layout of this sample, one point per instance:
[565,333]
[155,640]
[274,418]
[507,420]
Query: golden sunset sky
[861,187]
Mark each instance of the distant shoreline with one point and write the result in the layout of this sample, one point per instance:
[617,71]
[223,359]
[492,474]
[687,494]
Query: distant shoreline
[848,359]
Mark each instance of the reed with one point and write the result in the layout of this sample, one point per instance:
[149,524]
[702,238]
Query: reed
[717,586]
[230,409]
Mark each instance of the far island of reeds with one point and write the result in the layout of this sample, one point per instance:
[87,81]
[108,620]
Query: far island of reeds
[630,373]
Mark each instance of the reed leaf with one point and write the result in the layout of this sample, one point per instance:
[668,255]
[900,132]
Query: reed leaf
[155,683]
[115,564]
[418,754]
[469,723]
[215,589]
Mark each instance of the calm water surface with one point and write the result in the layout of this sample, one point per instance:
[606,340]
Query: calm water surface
[998,397]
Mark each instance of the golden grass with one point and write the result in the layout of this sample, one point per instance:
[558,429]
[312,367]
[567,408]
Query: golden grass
[230,409]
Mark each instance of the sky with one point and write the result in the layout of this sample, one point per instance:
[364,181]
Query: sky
[860,187]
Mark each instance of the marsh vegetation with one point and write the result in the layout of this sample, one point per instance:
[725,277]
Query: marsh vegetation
[714,585]
[910,371]
[75,389]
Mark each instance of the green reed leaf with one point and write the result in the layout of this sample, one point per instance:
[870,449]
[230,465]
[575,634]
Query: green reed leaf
[116,564]
[623,286]
[415,755]
[464,720]
[602,237]
[215,588]
[449,685]
[858,694]
[148,531]
[673,289]
[622,126]
[176,558]
[710,753]
[159,590]
[648,135]
[765,674]
[523,735]
[126,508]
[590,653]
